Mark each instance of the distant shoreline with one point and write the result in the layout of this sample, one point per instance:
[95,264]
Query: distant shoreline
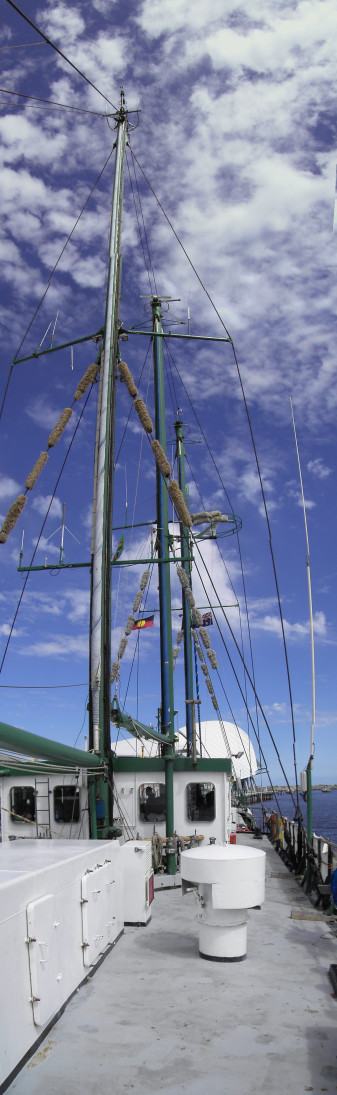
[286,790]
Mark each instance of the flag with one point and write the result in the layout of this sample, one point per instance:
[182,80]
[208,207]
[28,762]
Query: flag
[145,622]
[119,549]
[207,619]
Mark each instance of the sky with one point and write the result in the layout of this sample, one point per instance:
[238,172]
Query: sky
[237,137]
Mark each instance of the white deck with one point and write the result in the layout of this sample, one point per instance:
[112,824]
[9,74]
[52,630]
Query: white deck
[157,1018]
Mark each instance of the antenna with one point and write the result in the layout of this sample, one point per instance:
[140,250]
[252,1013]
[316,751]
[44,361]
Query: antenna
[309,765]
[54,328]
[63,526]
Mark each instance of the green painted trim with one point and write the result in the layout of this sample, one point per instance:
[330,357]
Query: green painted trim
[120,563]
[180,764]
[168,334]
[63,346]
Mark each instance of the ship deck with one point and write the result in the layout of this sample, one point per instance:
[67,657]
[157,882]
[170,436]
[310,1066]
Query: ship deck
[157,1018]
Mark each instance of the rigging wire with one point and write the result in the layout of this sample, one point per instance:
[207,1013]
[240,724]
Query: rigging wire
[36,687]
[131,407]
[220,553]
[275,575]
[246,669]
[71,233]
[205,290]
[138,637]
[170,380]
[50,102]
[84,720]
[181,245]
[221,556]
[151,267]
[146,264]
[23,45]
[42,528]
[126,581]
[59,51]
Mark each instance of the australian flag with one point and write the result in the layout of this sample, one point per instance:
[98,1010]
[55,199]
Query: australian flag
[207,619]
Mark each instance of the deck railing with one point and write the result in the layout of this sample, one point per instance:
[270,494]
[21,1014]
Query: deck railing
[313,864]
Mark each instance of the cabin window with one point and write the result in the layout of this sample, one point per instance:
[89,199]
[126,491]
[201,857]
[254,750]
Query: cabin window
[152,805]
[22,800]
[66,803]
[200,801]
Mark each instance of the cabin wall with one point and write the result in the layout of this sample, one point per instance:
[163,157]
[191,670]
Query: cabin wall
[43,820]
[128,791]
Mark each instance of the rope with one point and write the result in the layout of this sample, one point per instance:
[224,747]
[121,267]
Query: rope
[235,673]
[137,641]
[189,260]
[131,406]
[126,823]
[41,531]
[219,550]
[37,309]
[50,102]
[201,283]
[59,51]
[36,687]
[147,264]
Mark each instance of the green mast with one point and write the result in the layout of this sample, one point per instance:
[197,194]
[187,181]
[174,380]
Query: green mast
[185,540]
[163,546]
[100,624]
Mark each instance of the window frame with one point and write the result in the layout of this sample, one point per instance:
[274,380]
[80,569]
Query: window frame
[65,800]
[157,817]
[197,812]
[15,809]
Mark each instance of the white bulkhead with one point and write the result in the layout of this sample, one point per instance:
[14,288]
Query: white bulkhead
[51,806]
[61,908]
[201,803]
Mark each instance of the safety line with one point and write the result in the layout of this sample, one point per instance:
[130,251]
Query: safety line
[59,51]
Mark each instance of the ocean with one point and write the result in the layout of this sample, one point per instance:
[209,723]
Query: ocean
[324,811]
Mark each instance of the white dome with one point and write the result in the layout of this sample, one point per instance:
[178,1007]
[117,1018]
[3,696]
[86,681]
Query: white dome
[214,745]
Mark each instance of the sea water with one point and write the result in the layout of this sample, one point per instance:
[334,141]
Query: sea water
[324,811]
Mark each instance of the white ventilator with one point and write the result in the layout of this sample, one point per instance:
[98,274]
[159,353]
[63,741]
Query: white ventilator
[228,879]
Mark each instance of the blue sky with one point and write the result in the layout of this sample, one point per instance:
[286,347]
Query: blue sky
[237,137]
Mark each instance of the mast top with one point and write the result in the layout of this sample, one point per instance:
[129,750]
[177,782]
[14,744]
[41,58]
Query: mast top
[122,114]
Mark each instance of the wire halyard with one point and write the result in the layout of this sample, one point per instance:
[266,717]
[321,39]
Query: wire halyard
[199,279]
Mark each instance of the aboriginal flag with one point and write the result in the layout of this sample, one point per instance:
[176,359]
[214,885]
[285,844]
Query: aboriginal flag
[119,549]
[145,622]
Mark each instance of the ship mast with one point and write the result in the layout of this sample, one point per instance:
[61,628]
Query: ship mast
[186,564]
[100,624]
[163,550]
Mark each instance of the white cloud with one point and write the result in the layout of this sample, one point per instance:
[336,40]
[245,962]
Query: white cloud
[61,22]
[294,492]
[6,34]
[8,487]
[103,6]
[48,548]
[41,502]
[293,631]
[318,469]
[43,414]
[5,630]
[157,17]
[78,604]
[59,647]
